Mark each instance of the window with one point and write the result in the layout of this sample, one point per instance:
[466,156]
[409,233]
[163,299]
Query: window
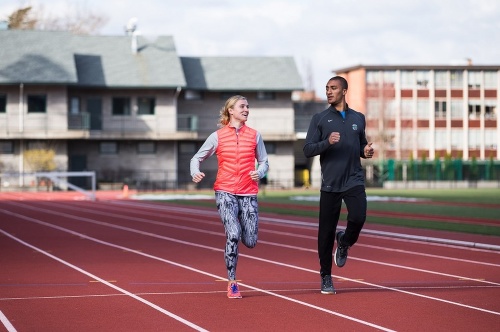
[3,103]
[440,109]
[389,138]
[456,109]
[440,79]
[422,79]
[474,109]
[187,148]
[266,95]
[74,105]
[389,77]
[6,147]
[490,109]
[227,95]
[372,78]
[390,109]
[146,148]
[270,147]
[406,109]
[423,139]
[490,79]
[475,80]
[121,106]
[146,105]
[457,79]
[108,148]
[37,103]
[474,139]
[193,95]
[407,139]
[373,106]
[440,139]
[456,138]
[37,145]
[407,79]
[385,78]
[423,109]
[490,140]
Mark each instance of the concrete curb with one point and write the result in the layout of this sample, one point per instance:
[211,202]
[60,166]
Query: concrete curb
[395,235]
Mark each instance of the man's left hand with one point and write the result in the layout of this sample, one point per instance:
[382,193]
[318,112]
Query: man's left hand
[369,151]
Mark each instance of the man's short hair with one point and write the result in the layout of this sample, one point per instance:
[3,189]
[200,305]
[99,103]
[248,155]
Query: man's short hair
[343,81]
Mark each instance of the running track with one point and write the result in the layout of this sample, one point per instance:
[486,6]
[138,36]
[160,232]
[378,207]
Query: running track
[124,265]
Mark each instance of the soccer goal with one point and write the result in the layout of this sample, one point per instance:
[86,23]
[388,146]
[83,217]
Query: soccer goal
[61,180]
[82,182]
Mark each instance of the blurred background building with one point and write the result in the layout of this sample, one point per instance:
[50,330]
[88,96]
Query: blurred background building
[135,112]
[429,123]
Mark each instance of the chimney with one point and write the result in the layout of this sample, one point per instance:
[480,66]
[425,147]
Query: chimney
[130,29]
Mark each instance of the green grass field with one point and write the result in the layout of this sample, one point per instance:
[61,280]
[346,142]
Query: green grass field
[457,205]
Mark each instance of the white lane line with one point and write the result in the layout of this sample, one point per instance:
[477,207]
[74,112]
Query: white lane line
[93,276]
[192,229]
[6,323]
[165,261]
[366,231]
[255,258]
[161,223]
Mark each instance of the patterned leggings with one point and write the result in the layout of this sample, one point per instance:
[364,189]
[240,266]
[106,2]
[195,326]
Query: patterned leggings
[240,217]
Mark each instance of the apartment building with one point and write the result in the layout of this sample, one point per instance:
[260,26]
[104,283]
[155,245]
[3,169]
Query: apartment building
[428,111]
[132,109]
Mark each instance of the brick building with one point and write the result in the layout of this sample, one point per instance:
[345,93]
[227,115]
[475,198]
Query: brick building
[428,111]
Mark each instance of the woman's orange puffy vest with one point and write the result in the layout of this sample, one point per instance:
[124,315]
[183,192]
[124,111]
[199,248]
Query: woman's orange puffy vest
[236,157]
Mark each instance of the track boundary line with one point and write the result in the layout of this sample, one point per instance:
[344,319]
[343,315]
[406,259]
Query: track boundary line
[220,250]
[427,239]
[169,262]
[93,276]
[140,219]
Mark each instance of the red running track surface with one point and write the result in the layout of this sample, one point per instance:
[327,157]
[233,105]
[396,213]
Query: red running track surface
[125,265]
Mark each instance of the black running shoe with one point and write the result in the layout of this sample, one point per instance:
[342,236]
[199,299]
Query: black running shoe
[341,251]
[327,285]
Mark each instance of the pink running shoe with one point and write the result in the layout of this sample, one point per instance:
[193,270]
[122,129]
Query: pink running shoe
[233,292]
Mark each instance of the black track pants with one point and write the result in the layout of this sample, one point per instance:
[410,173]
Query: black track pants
[329,212]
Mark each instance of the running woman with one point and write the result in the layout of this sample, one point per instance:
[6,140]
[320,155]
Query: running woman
[236,186]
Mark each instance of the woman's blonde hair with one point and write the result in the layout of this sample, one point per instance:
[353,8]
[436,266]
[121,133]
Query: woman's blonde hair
[224,116]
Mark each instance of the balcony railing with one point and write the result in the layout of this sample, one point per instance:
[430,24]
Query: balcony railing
[187,122]
[79,121]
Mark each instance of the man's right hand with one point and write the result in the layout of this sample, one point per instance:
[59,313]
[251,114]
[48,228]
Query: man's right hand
[334,138]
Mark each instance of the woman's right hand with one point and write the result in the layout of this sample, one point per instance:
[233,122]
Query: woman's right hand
[198,177]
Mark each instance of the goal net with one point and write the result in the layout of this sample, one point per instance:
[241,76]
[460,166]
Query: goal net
[82,182]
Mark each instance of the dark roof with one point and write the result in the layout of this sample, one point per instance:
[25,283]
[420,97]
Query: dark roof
[57,57]
[241,73]
[50,57]
[417,67]
[36,57]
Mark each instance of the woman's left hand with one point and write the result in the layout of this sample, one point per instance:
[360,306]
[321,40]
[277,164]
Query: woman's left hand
[254,175]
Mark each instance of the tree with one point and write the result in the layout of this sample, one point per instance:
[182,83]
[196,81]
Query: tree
[40,160]
[22,19]
[78,20]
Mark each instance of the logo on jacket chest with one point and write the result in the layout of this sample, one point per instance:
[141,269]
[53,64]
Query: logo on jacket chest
[354,127]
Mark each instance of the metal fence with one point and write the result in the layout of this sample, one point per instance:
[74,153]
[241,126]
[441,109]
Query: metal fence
[447,170]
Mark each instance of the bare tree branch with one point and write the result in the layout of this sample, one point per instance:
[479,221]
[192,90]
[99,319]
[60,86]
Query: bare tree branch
[78,19]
